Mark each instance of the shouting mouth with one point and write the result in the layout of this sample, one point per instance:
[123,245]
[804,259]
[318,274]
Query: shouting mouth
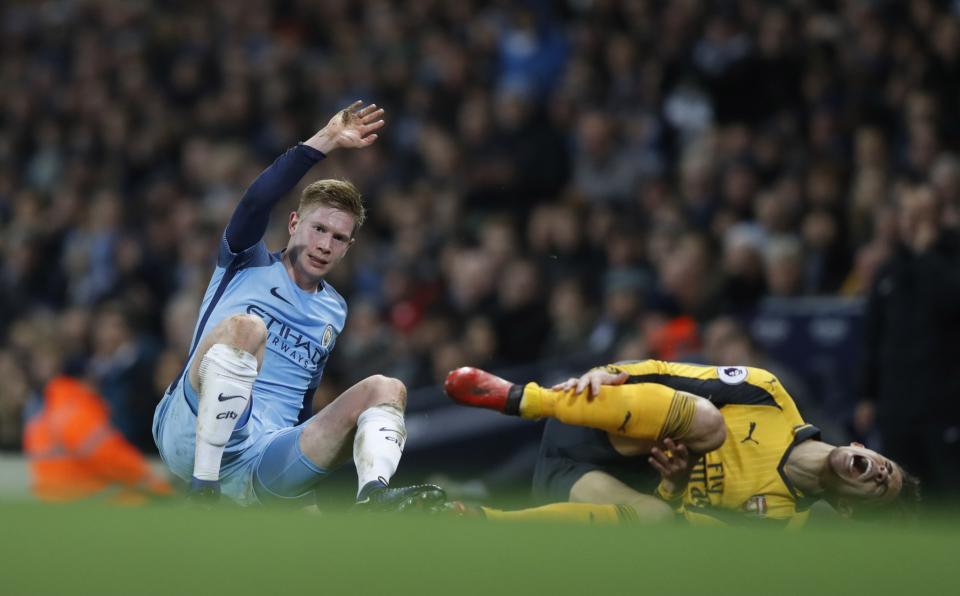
[860,467]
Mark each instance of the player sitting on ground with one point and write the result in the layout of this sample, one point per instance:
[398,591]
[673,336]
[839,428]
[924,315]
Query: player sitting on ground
[229,421]
[754,457]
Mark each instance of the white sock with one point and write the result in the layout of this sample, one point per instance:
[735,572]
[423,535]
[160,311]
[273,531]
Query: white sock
[378,444]
[226,383]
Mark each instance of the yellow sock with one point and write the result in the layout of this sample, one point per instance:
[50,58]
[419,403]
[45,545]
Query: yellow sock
[641,411]
[585,513]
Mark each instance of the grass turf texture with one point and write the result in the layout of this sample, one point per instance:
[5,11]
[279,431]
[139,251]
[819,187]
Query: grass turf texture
[176,550]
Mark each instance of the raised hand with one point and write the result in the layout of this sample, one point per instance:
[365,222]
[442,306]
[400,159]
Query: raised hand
[352,127]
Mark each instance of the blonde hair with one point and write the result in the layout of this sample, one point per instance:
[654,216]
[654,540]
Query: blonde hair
[338,194]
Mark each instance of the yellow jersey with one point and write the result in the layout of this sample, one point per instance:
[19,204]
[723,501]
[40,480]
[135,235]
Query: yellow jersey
[743,479]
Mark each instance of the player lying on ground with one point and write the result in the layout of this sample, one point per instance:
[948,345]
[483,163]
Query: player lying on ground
[237,418]
[754,457]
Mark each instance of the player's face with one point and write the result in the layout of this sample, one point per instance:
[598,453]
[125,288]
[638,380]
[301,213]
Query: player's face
[319,238]
[857,473]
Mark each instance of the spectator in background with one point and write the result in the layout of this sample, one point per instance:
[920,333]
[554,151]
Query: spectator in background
[480,342]
[520,319]
[14,395]
[74,452]
[571,318]
[557,238]
[783,261]
[945,179]
[90,250]
[367,343]
[697,186]
[689,283]
[603,173]
[744,284]
[623,305]
[910,379]
[122,366]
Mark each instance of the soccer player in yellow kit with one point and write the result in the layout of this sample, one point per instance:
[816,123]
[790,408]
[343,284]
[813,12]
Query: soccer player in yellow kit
[760,460]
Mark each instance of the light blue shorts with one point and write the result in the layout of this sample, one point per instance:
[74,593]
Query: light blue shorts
[261,462]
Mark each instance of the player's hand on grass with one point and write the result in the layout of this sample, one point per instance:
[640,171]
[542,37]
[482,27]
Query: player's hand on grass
[672,460]
[352,127]
[593,378]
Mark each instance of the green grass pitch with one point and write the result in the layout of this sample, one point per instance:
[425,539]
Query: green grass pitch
[173,549]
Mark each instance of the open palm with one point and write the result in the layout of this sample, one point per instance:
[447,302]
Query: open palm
[354,126]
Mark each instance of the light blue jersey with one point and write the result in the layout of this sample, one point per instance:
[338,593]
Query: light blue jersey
[302,326]
[302,330]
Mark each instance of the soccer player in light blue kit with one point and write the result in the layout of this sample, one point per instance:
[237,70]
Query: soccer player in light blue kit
[237,418]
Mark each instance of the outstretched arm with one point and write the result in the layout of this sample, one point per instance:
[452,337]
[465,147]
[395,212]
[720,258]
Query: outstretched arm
[352,127]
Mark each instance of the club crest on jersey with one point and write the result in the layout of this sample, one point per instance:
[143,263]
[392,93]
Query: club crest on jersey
[756,505]
[732,375]
[328,336]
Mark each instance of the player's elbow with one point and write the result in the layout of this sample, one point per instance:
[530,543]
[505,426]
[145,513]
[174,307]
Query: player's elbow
[707,431]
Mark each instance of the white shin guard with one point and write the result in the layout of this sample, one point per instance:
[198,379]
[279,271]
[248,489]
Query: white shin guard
[226,383]
[378,444]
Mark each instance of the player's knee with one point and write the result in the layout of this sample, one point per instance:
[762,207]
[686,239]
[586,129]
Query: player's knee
[381,389]
[247,332]
[652,510]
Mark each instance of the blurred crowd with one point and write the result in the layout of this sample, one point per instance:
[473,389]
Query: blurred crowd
[615,178]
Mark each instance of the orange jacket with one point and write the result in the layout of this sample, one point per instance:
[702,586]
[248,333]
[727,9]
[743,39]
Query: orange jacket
[74,453]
